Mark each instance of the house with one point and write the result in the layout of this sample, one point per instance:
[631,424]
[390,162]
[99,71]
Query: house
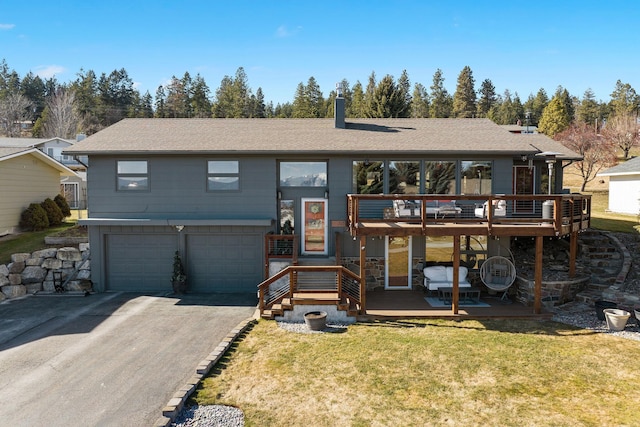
[27,175]
[624,187]
[223,192]
[74,187]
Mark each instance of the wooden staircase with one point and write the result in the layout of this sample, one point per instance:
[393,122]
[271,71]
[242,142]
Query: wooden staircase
[311,298]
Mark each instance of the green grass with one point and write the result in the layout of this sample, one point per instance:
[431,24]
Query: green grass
[608,221]
[27,242]
[430,372]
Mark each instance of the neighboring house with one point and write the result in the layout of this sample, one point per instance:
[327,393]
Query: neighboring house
[26,176]
[74,187]
[217,189]
[624,187]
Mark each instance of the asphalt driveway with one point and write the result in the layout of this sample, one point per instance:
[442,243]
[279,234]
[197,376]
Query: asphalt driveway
[112,359]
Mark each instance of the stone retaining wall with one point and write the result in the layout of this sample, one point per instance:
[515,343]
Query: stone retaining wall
[32,273]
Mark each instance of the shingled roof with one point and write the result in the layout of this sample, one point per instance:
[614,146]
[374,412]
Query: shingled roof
[630,167]
[264,136]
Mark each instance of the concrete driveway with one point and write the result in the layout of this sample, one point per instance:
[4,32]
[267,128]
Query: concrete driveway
[112,359]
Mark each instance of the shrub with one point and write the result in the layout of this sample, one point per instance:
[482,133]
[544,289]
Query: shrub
[54,214]
[63,205]
[34,218]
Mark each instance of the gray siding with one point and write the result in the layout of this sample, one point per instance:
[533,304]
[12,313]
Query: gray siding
[178,189]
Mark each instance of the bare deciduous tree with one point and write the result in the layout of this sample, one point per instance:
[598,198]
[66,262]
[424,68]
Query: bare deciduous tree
[14,109]
[61,118]
[623,131]
[598,153]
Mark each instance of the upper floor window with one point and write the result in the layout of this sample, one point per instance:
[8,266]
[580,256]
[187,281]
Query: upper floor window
[368,177]
[440,177]
[476,177]
[132,175]
[303,174]
[404,177]
[223,175]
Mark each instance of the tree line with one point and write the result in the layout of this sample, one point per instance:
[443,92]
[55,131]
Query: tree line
[91,102]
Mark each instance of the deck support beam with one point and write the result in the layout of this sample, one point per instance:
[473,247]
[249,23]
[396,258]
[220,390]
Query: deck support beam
[363,274]
[573,253]
[537,292]
[455,297]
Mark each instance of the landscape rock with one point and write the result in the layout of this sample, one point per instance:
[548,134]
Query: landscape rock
[52,263]
[4,271]
[16,267]
[15,279]
[45,253]
[20,257]
[4,280]
[69,254]
[14,291]
[33,274]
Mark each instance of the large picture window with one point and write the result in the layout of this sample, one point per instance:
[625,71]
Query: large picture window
[440,177]
[223,175]
[368,177]
[132,175]
[303,174]
[476,177]
[404,177]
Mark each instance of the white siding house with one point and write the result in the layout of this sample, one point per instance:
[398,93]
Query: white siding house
[624,187]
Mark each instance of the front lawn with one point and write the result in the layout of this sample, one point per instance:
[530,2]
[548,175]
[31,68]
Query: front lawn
[430,372]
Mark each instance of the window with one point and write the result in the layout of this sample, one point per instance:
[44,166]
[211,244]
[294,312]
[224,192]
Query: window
[404,177]
[476,177]
[440,177]
[132,175]
[303,174]
[368,177]
[223,175]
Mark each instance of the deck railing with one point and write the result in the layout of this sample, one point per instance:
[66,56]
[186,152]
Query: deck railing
[564,212]
[285,283]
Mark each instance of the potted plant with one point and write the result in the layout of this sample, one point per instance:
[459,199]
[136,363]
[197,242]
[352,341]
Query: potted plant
[178,278]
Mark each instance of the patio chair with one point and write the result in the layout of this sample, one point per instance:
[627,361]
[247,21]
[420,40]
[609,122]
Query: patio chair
[498,274]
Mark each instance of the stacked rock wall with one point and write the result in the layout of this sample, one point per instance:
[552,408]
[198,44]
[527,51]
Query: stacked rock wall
[32,273]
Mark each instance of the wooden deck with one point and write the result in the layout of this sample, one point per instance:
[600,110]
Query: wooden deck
[411,304]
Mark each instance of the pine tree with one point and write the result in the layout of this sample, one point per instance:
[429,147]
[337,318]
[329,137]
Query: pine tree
[624,100]
[588,110]
[441,102]
[464,98]
[357,108]
[487,99]
[199,102]
[420,102]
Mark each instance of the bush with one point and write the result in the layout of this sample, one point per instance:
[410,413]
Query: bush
[34,218]
[54,214]
[63,205]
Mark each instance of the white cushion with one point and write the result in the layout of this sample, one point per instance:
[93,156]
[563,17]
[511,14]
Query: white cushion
[462,275]
[436,273]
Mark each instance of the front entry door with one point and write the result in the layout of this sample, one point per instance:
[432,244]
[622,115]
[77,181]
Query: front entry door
[314,227]
[398,263]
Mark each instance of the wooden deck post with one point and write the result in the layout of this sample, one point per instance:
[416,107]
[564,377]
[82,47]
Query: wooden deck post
[455,297]
[537,299]
[573,253]
[363,274]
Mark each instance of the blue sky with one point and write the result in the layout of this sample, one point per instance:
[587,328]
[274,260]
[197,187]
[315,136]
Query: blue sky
[520,46]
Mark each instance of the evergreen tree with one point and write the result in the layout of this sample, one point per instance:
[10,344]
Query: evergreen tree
[464,98]
[32,87]
[624,100]
[358,106]
[554,118]
[368,95]
[115,93]
[506,111]
[200,103]
[420,102]
[223,107]
[258,109]
[160,102]
[85,88]
[308,101]
[488,98]
[404,95]
[441,102]
[588,110]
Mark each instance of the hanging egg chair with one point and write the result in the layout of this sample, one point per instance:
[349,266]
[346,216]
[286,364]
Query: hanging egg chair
[498,274]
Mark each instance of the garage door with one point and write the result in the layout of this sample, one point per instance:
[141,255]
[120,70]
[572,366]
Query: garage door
[140,262]
[225,262]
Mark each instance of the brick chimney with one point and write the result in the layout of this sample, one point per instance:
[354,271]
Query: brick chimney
[339,108]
